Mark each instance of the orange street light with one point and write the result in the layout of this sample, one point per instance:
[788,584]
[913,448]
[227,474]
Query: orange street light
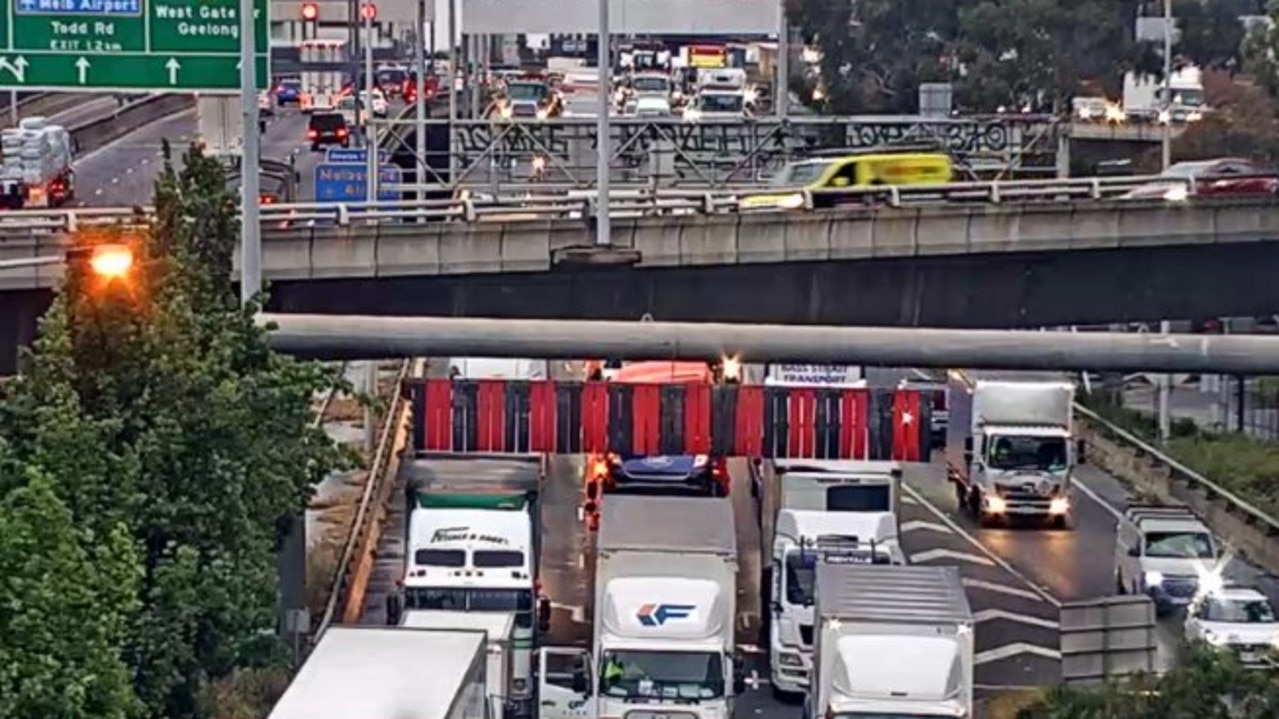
[110,261]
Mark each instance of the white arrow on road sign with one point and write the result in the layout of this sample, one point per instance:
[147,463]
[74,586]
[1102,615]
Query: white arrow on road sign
[83,66]
[173,66]
[18,67]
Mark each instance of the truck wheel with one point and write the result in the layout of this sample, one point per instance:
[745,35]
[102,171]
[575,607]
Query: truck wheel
[1061,522]
[974,503]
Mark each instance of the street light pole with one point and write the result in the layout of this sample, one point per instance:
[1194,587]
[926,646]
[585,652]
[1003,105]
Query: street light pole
[250,163]
[603,147]
[420,101]
[1167,103]
[364,105]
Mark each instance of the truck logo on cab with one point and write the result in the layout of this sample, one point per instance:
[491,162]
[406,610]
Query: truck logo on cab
[655,615]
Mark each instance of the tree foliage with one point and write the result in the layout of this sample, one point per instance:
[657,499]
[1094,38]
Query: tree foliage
[998,53]
[155,405]
[1205,684]
[1261,51]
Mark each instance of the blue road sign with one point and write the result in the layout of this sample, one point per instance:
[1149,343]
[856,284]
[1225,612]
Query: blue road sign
[353,154]
[349,182]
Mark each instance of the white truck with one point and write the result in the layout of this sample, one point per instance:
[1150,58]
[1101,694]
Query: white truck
[473,534]
[1144,96]
[1010,447]
[386,673]
[803,539]
[891,642]
[665,614]
[498,627]
[36,165]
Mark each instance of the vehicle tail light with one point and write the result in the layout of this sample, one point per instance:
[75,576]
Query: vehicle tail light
[266,198]
[341,132]
[312,134]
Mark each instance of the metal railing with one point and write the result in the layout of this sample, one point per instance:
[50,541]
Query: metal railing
[466,207]
[1182,473]
[357,546]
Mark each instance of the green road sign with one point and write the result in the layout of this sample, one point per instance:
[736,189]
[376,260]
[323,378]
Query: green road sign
[153,45]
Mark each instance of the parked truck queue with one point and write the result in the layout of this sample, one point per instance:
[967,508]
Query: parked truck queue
[683,617]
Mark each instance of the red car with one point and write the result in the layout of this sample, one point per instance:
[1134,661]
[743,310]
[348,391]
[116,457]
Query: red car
[1224,177]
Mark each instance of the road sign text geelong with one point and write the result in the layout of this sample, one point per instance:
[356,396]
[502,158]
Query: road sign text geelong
[127,45]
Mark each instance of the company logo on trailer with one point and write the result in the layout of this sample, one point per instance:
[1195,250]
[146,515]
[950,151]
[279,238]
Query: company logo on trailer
[655,615]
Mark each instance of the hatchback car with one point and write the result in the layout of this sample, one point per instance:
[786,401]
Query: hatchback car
[327,129]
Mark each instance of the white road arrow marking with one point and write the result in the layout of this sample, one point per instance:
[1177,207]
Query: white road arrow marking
[1003,589]
[919,524]
[17,67]
[987,615]
[1012,650]
[173,66]
[932,554]
[83,65]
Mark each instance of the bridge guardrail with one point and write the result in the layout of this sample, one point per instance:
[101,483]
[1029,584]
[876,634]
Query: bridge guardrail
[1231,517]
[467,207]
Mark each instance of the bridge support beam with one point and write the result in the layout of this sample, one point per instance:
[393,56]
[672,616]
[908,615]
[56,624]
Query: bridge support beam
[360,337]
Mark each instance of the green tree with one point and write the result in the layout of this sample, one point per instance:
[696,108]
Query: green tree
[1211,34]
[206,447]
[1205,684]
[1261,51]
[66,598]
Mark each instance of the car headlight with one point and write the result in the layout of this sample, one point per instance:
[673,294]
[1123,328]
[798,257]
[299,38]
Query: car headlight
[788,659]
[1059,505]
[1177,193]
[700,461]
[996,504]
[1153,579]
[791,202]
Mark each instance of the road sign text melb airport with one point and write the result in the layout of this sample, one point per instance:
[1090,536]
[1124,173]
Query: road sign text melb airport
[127,44]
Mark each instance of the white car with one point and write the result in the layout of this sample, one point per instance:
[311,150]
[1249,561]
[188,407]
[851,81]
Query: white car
[266,104]
[1240,619]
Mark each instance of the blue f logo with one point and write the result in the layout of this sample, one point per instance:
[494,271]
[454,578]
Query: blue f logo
[655,615]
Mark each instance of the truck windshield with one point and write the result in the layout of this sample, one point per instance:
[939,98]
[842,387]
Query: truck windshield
[673,676]
[1044,454]
[801,570]
[799,174]
[457,599]
[722,102]
[651,84]
[1179,545]
[860,498]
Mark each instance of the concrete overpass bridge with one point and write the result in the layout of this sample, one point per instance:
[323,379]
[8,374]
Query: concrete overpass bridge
[946,265]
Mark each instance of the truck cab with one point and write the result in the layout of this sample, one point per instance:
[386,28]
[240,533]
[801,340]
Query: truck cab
[665,614]
[891,642]
[473,537]
[499,630]
[802,540]
[1165,552]
[1010,447]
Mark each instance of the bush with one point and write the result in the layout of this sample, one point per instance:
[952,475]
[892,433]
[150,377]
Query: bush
[1243,464]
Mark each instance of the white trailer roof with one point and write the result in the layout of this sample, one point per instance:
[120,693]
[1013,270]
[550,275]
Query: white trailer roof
[908,595]
[497,624]
[381,673]
[667,524]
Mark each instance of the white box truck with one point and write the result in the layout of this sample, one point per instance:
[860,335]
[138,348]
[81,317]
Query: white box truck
[803,539]
[499,628]
[472,544]
[386,673]
[891,642]
[1010,447]
[665,614]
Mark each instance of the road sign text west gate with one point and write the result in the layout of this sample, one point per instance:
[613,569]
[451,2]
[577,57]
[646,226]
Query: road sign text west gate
[127,44]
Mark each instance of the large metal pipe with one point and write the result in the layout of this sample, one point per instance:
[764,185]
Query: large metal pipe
[357,337]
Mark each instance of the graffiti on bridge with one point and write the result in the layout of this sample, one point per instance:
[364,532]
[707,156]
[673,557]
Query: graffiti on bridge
[712,151]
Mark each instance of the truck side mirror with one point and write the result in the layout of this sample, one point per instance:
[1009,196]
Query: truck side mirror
[544,614]
[394,609]
[1081,452]
[968,445]
[581,685]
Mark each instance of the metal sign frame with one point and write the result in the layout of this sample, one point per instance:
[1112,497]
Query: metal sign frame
[718,153]
[627,17]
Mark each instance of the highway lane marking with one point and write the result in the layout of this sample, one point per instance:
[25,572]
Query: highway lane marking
[909,500]
[1097,498]
[919,524]
[1012,650]
[999,561]
[120,140]
[933,554]
[1005,589]
[987,615]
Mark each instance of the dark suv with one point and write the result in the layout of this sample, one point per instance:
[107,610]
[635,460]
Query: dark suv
[327,129]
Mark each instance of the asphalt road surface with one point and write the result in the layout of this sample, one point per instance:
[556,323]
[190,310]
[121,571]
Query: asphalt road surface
[124,172]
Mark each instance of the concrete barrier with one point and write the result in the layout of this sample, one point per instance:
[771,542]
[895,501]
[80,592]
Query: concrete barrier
[95,134]
[1150,476]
